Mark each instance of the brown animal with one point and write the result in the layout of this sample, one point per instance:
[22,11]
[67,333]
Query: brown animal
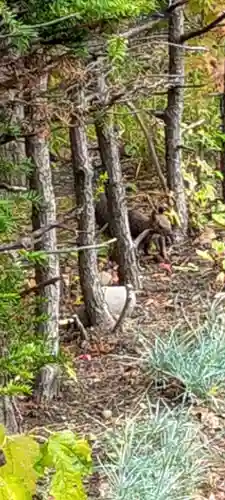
[158,224]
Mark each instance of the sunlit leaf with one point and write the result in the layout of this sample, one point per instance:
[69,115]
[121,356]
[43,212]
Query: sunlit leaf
[220,277]
[218,246]
[219,218]
[204,255]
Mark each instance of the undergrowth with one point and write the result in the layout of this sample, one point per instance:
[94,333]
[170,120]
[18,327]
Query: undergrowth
[195,359]
[160,457]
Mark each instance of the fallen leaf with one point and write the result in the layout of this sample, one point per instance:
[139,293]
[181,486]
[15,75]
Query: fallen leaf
[205,237]
[85,357]
[167,267]
[149,302]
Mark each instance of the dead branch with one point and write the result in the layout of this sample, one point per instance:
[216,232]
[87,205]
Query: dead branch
[80,327]
[40,286]
[202,31]
[25,242]
[14,189]
[128,301]
[102,229]
[193,125]
[151,147]
[153,20]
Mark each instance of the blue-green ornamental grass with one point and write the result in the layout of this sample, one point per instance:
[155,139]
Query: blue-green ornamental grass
[196,359]
[158,458]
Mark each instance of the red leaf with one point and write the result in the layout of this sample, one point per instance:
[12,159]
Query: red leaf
[167,267]
[85,357]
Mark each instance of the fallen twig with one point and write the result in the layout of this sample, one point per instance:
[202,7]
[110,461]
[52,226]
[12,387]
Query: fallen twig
[14,189]
[80,327]
[128,301]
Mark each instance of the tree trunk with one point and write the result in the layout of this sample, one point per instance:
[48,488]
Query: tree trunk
[222,156]
[96,308]
[128,271]
[7,404]
[108,148]
[14,151]
[173,117]
[44,215]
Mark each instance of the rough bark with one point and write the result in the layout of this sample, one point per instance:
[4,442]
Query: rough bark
[14,151]
[8,416]
[44,215]
[128,271]
[222,156]
[96,308]
[173,117]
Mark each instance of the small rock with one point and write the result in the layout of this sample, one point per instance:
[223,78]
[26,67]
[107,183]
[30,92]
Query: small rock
[107,414]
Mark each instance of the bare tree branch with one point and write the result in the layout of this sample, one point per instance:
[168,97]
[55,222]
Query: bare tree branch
[151,146]
[202,31]
[128,301]
[80,327]
[14,189]
[24,244]
[40,286]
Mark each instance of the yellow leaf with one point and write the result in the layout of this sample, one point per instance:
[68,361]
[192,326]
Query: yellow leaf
[213,391]
[20,452]
[75,279]
[12,489]
[173,216]
[220,278]
[2,435]
[78,301]
[204,255]
[219,219]
[71,373]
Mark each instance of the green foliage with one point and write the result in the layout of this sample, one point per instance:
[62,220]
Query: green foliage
[88,10]
[155,456]
[18,33]
[100,186]
[24,351]
[196,359]
[215,255]
[71,460]
[18,476]
[202,179]
[7,221]
[64,454]
[117,47]
[9,168]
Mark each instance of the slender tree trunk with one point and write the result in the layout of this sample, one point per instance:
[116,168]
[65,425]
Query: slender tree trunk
[14,151]
[117,204]
[222,156]
[45,214]
[7,404]
[96,308]
[109,153]
[173,117]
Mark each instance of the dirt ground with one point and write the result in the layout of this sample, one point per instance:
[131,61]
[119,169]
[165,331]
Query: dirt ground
[110,384]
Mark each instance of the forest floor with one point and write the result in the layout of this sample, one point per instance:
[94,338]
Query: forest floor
[110,384]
